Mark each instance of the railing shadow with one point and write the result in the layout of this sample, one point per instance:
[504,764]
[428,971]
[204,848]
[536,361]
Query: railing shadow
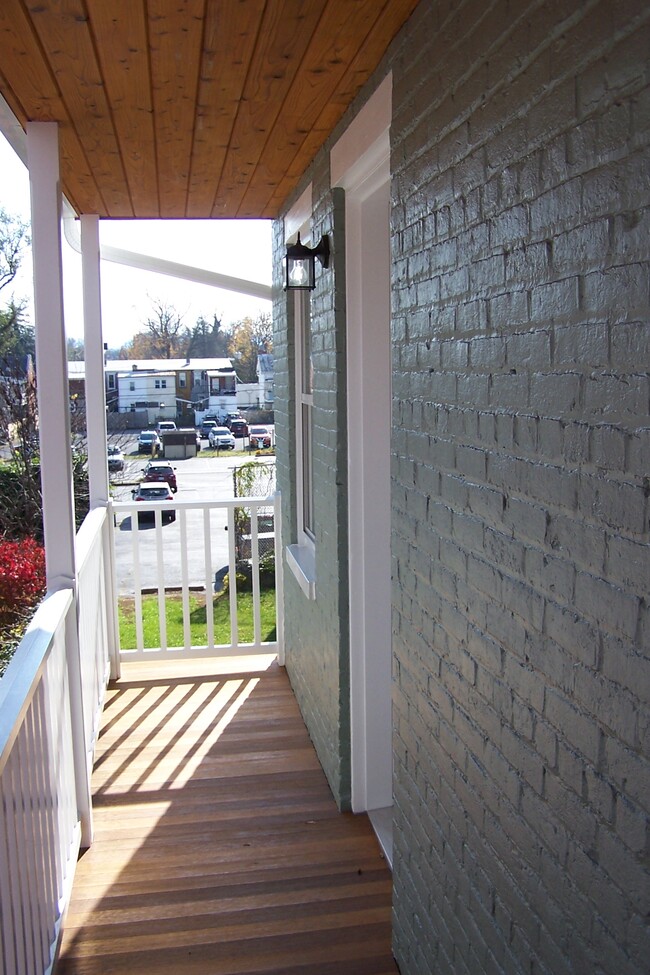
[218,847]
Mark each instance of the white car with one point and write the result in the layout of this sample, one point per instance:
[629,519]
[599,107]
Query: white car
[115,459]
[220,438]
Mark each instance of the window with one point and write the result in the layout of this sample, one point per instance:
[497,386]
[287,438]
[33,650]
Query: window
[131,386]
[182,381]
[301,556]
[111,380]
[305,421]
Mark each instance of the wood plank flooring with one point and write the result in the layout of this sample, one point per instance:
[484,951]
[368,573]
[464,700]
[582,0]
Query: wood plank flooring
[218,847]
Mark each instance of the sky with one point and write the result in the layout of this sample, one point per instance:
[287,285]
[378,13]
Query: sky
[128,294]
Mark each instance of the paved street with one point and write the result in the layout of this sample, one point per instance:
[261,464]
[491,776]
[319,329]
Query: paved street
[198,479]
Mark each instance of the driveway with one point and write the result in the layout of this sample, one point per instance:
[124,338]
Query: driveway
[198,479]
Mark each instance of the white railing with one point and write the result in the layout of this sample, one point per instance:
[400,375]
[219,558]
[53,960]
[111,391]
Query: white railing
[51,698]
[41,827]
[95,618]
[52,693]
[184,560]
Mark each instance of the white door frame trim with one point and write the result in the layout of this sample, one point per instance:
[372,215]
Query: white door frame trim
[360,163]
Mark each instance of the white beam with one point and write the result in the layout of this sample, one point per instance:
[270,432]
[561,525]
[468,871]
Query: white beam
[185,272]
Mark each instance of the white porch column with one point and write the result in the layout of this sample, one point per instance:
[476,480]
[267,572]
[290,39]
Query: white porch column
[54,420]
[94,356]
[51,361]
[96,414]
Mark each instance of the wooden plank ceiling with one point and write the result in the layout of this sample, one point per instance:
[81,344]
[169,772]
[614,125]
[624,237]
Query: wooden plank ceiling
[189,108]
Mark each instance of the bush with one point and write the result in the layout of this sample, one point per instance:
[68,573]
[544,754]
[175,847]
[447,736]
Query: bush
[22,579]
[244,574]
[21,506]
[22,585]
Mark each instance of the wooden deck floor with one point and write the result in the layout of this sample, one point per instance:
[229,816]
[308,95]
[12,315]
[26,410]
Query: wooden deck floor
[218,848]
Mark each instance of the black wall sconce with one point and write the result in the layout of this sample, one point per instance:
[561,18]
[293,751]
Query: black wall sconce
[300,264]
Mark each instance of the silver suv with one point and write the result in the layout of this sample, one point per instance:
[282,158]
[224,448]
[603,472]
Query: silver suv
[149,442]
[221,438]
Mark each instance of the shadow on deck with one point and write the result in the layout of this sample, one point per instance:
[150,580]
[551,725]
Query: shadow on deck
[218,847]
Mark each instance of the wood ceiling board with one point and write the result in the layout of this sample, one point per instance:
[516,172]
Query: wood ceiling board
[124,59]
[32,93]
[286,32]
[357,72]
[77,177]
[294,140]
[37,94]
[65,34]
[167,107]
[221,83]
[175,36]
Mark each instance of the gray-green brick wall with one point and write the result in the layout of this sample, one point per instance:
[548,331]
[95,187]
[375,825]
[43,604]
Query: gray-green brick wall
[316,631]
[521,484]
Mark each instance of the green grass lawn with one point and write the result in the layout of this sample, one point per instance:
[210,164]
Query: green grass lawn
[198,625]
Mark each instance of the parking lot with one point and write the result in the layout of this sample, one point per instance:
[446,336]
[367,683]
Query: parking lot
[199,478]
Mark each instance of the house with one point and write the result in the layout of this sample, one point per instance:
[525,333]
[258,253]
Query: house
[462,419]
[76,385]
[265,379]
[172,388]
[258,395]
[191,385]
[154,392]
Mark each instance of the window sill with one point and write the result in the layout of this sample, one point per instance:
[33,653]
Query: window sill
[301,561]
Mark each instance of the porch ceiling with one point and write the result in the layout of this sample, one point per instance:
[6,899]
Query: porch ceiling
[189,108]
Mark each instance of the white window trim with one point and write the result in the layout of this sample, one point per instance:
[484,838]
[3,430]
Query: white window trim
[301,299]
[301,559]
[301,556]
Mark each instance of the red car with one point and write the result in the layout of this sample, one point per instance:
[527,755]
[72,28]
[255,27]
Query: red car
[158,470]
[239,428]
[259,437]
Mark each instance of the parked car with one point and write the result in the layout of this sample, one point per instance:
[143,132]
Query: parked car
[239,428]
[259,437]
[149,442]
[153,492]
[165,425]
[206,426]
[229,417]
[159,470]
[115,459]
[222,438]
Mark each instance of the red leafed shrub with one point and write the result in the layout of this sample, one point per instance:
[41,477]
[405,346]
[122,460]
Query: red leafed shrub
[22,578]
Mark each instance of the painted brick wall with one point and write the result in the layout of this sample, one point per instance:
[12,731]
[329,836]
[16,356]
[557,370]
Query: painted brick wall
[521,477]
[316,632]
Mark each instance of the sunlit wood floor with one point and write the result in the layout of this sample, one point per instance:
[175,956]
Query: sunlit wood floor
[218,847]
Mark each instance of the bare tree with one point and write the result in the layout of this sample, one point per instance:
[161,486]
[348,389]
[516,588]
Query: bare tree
[75,351]
[165,336]
[14,239]
[208,340]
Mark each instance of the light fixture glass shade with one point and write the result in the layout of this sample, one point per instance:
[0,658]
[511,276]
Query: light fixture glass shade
[299,267]
[301,262]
